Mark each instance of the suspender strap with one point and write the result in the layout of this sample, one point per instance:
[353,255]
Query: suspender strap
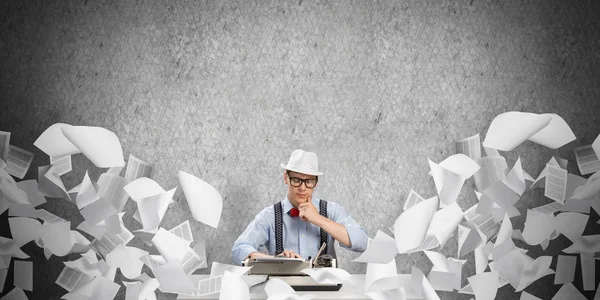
[323,212]
[278,228]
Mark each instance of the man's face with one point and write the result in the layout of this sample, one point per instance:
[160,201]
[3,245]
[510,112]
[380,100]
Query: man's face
[299,194]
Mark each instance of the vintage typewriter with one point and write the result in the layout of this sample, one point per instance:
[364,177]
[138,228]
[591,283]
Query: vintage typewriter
[290,270]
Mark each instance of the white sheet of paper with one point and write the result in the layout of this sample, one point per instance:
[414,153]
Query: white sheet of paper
[504,243]
[204,200]
[18,161]
[590,189]
[173,279]
[54,143]
[31,189]
[515,179]
[200,249]
[556,183]
[588,271]
[574,182]
[235,288]
[328,275]
[571,224]
[584,244]
[57,237]
[469,238]
[10,247]
[276,286]
[96,231]
[111,187]
[87,193]
[412,199]
[502,195]
[101,146]
[218,269]
[392,294]
[538,269]
[555,135]
[377,271]
[98,211]
[549,208]
[421,285]
[15,294]
[3,273]
[538,227]
[62,165]
[491,170]
[153,209]
[508,130]
[70,278]
[109,242]
[481,257]
[460,164]
[147,289]
[23,276]
[50,184]
[587,160]
[470,146]
[98,288]
[21,210]
[137,168]
[484,285]
[127,259]
[444,222]
[183,231]
[170,246]
[382,249]
[527,296]
[4,146]
[410,228]
[10,190]
[568,292]
[448,184]
[142,188]
[24,230]
[565,269]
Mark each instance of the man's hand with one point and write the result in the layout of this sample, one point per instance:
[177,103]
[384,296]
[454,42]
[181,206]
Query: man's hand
[289,254]
[308,212]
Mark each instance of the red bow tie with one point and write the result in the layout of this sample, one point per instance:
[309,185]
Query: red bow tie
[294,212]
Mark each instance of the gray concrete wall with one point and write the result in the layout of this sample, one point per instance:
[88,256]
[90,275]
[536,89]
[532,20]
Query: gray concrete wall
[225,90]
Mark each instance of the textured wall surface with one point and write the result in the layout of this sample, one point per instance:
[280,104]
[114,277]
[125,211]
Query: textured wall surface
[226,90]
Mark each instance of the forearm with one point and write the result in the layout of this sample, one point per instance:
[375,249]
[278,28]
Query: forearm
[337,231]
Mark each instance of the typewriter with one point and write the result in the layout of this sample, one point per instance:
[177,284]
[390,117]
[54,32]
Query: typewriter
[290,270]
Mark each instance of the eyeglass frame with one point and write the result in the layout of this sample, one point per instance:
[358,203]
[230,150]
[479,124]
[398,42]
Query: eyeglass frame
[316,179]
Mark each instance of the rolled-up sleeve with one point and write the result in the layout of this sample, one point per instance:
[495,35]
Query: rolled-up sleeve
[255,236]
[358,236]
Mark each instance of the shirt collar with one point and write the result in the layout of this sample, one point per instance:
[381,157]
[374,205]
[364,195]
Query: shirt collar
[286,205]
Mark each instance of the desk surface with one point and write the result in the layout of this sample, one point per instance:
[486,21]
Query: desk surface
[348,291]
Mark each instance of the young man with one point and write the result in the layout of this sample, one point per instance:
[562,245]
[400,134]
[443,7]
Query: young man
[299,224]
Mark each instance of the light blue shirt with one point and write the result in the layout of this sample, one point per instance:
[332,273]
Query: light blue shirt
[302,237]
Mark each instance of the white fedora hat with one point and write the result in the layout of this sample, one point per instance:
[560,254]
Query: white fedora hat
[303,162]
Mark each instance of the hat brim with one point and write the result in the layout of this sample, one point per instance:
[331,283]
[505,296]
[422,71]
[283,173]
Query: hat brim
[285,167]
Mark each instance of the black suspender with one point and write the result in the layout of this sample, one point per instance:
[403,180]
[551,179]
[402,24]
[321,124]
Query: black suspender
[279,226]
[323,212]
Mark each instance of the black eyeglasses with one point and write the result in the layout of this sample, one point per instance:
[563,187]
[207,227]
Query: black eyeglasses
[309,183]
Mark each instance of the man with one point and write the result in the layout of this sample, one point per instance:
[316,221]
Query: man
[303,222]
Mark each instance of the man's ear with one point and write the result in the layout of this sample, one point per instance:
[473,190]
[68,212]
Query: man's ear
[285,178]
